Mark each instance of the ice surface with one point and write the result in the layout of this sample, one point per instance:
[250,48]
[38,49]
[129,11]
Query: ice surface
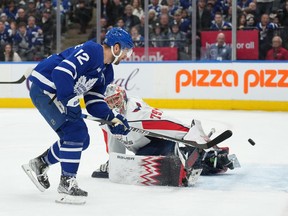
[258,188]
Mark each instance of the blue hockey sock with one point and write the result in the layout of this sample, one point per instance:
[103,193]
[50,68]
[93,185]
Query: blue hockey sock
[53,154]
[70,154]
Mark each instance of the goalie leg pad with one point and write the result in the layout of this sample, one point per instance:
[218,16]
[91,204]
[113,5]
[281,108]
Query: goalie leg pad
[145,170]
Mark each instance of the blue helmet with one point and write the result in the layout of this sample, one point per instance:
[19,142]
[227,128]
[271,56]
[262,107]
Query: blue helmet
[120,36]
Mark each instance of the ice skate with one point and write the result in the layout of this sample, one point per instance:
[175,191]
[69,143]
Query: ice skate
[69,192]
[36,170]
[102,171]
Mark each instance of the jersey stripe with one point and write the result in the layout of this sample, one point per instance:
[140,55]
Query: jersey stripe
[64,70]
[163,125]
[43,79]
[94,101]
[95,94]
[71,149]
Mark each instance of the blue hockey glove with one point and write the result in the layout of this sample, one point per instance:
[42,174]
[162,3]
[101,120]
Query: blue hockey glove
[72,108]
[120,125]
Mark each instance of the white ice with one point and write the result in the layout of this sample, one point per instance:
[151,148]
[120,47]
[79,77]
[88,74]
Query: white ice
[258,188]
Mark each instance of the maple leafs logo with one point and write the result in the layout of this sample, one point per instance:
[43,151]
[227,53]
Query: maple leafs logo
[83,85]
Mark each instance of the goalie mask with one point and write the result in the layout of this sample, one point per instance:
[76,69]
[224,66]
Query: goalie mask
[115,97]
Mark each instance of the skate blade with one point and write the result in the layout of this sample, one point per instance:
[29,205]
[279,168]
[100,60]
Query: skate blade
[234,160]
[193,178]
[68,199]
[99,174]
[27,169]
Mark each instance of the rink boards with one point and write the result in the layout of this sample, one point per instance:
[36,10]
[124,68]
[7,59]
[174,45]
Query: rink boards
[246,85]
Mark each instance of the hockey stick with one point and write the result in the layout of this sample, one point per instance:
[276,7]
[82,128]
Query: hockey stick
[223,136]
[22,79]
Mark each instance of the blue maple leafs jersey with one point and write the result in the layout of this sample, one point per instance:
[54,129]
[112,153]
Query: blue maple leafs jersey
[77,71]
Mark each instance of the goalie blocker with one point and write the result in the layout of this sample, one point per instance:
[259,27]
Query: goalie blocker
[149,170]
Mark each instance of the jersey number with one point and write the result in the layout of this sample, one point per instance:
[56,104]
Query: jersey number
[156,114]
[82,56]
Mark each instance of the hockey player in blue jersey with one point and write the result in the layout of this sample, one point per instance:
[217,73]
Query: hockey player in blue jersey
[57,84]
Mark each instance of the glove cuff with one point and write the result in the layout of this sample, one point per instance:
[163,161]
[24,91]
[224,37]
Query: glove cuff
[112,114]
[72,101]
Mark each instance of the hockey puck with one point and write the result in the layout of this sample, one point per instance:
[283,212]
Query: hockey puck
[251,141]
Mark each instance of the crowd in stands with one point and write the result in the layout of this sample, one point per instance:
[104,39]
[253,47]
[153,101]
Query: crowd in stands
[29,26]
[170,21]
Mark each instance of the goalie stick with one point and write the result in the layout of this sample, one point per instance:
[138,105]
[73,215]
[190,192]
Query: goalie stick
[220,138]
[22,79]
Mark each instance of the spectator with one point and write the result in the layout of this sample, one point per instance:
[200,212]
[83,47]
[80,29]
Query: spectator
[277,52]
[252,9]
[138,39]
[5,35]
[164,24]
[185,4]
[47,6]
[130,19]
[47,26]
[228,16]
[12,29]
[155,6]
[203,16]
[165,10]
[242,4]
[11,10]
[83,16]
[137,8]
[264,7]
[220,6]
[37,38]
[284,18]
[250,21]
[4,19]
[31,10]
[152,17]
[266,34]
[219,51]
[172,7]
[157,38]
[120,23]
[23,43]
[183,24]
[10,55]
[177,38]
[275,22]
[21,16]
[105,9]
[219,23]
[117,11]
[241,22]
[141,26]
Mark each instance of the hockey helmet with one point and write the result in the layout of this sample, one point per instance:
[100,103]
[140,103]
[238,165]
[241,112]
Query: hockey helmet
[119,36]
[115,97]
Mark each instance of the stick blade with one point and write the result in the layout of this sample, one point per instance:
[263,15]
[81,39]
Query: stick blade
[223,136]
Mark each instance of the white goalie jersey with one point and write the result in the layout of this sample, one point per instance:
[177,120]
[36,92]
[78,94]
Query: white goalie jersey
[141,115]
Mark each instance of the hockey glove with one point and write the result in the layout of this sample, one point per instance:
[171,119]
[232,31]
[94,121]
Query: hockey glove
[72,108]
[120,125]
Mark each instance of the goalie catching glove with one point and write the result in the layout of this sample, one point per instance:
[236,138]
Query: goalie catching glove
[120,125]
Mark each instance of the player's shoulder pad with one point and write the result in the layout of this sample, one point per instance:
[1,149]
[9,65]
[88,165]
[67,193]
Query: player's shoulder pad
[94,50]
